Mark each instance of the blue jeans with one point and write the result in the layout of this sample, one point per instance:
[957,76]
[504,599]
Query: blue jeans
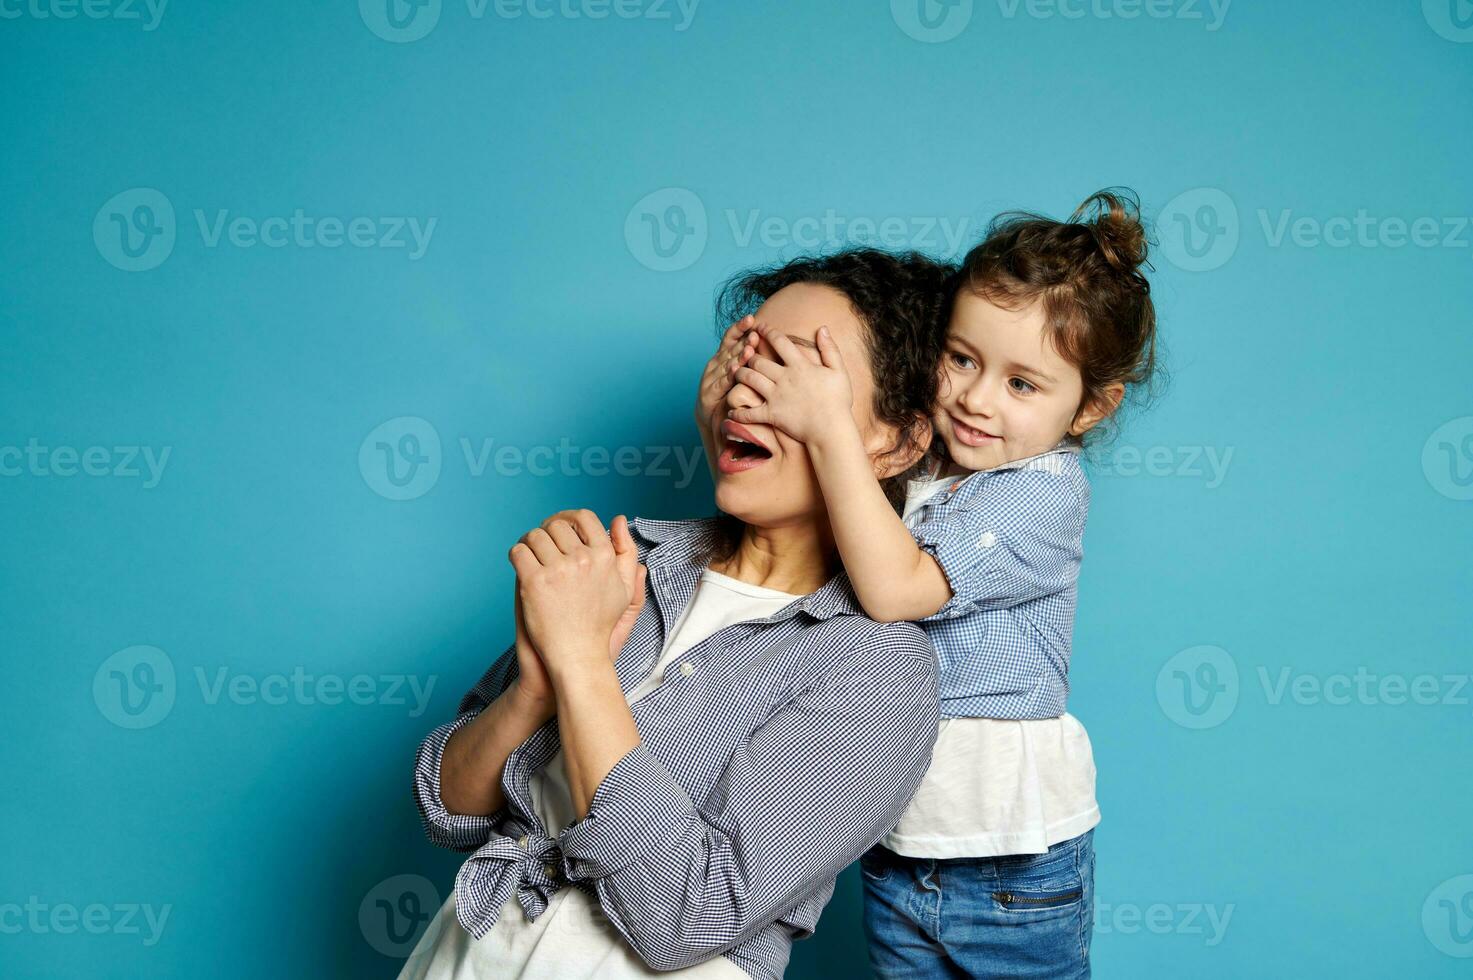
[1026,915]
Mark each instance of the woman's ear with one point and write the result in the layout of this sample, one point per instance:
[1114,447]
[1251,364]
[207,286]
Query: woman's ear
[914,442]
[1096,410]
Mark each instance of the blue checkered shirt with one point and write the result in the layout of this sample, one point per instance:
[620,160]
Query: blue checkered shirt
[1010,540]
[792,747]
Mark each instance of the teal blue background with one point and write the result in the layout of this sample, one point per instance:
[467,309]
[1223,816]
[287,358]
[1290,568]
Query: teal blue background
[1326,547]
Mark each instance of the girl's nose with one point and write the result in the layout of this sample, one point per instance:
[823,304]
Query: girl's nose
[977,399]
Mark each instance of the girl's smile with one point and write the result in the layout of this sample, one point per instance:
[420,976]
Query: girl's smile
[970,435]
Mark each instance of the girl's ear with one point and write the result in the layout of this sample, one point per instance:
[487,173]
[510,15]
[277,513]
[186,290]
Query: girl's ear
[1096,410]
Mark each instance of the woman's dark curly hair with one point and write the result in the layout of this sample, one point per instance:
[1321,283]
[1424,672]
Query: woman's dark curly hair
[899,299]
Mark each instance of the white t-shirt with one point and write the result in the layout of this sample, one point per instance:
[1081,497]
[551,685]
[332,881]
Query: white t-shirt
[996,786]
[572,937]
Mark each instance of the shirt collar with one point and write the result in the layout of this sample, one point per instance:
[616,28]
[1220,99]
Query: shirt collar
[1068,444]
[677,555]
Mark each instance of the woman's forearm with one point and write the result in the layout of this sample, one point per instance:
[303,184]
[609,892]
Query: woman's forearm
[475,757]
[594,721]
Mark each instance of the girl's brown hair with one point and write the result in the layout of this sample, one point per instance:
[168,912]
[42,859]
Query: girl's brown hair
[1087,274]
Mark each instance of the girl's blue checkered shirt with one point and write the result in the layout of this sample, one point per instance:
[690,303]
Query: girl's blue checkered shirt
[1010,540]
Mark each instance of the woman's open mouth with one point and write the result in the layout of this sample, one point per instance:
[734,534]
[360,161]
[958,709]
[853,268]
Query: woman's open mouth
[742,451]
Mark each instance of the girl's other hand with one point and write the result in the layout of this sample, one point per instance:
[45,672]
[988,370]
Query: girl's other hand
[737,344]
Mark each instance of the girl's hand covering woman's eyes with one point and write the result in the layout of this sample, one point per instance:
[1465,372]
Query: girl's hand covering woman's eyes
[578,589]
[736,345]
[801,396]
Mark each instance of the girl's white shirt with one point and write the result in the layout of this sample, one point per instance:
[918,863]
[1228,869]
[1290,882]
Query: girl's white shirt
[997,787]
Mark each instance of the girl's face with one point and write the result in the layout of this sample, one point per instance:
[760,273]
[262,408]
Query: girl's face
[1005,392]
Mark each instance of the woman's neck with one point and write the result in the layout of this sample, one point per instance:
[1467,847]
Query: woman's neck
[798,559]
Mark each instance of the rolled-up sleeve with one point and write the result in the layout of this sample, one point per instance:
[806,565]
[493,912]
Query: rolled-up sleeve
[816,786]
[1018,537]
[458,831]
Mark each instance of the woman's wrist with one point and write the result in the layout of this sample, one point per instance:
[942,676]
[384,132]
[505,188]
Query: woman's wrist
[574,662]
[528,705]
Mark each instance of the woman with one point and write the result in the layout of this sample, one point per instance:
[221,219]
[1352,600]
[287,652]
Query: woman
[683,800]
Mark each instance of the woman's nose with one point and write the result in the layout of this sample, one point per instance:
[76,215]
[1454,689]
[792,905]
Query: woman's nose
[740,396]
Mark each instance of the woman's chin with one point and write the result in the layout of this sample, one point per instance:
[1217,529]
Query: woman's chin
[731,500]
[743,503]
[755,505]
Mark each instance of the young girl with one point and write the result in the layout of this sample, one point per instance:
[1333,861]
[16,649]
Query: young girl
[990,872]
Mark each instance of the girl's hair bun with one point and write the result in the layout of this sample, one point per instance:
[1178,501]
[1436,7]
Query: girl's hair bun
[1114,216]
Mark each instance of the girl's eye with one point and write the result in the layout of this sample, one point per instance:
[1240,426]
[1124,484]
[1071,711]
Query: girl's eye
[1020,386]
[962,361]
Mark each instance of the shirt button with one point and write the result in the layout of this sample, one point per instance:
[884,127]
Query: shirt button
[687,668]
[522,840]
[551,870]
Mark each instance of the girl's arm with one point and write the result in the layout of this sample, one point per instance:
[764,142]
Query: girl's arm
[893,578]
[1019,541]
[812,402]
